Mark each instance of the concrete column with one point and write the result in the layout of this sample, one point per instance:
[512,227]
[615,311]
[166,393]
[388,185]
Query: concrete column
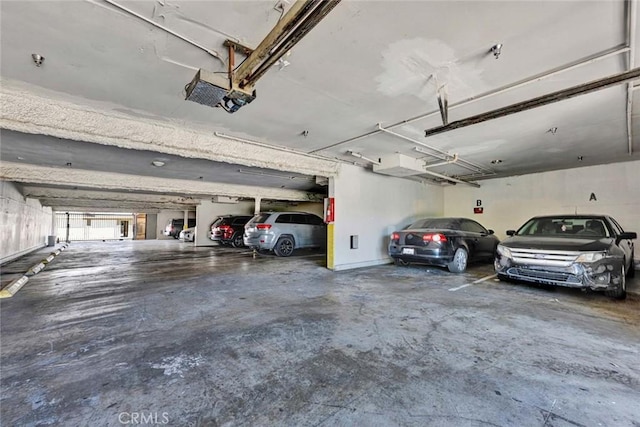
[53,223]
[256,209]
[186,220]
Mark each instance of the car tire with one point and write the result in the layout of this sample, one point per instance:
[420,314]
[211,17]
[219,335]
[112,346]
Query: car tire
[621,291]
[631,273]
[400,262]
[237,241]
[459,262]
[284,247]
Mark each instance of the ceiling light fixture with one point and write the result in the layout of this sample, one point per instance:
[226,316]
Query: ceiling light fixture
[496,49]
[275,175]
[158,163]
[496,161]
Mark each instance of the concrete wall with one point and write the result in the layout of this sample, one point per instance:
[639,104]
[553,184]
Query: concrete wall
[372,206]
[24,223]
[207,211]
[163,219]
[509,202]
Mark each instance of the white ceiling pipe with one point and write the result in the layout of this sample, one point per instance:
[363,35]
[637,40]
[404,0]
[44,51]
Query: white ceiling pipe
[360,156]
[168,30]
[442,155]
[451,179]
[632,8]
[448,162]
[538,77]
[273,147]
[439,175]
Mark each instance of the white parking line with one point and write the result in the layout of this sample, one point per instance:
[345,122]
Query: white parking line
[473,283]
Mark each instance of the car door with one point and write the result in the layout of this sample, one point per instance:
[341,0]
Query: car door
[318,231]
[479,239]
[625,245]
[302,230]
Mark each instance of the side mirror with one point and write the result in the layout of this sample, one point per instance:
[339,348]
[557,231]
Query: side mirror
[626,236]
[511,232]
[491,232]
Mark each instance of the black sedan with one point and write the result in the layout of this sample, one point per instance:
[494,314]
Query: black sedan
[445,242]
[577,251]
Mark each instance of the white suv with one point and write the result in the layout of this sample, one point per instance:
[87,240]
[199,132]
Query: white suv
[282,232]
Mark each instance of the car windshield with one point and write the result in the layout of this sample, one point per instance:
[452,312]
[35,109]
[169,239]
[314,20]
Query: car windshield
[445,223]
[587,227]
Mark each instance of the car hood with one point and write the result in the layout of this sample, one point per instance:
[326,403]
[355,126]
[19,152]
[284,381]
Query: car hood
[557,243]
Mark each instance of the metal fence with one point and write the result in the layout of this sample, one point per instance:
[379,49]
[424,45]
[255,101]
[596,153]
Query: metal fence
[75,226]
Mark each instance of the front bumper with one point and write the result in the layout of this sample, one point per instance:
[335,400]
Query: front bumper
[599,275]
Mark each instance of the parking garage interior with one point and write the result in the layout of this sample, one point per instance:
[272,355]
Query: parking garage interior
[370,115]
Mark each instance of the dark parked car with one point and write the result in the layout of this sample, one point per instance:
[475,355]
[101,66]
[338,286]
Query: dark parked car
[176,225]
[445,242]
[577,251]
[228,229]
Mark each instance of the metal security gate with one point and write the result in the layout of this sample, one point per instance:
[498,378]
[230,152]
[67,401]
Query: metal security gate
[75,226]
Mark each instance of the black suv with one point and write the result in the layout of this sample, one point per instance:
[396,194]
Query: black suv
[228,229]
[175,226]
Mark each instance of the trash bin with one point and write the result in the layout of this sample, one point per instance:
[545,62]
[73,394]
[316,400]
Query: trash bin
[51,240]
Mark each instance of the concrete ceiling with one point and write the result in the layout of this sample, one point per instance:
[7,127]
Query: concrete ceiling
[366,63]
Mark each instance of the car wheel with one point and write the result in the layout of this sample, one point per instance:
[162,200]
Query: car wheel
[284,246]
[631,273]
[621,291]
[503,278]
[459,263]
[400,261]
[237,241]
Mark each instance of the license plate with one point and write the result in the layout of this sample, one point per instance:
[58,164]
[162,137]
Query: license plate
[408,251]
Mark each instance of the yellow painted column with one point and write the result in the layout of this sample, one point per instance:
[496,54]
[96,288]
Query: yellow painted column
[330,246]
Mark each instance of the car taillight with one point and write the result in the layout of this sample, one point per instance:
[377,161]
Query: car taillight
[263,226]
[438,237]
[395,236]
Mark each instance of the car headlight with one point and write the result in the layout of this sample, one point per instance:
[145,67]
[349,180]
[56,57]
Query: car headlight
[591,256]
[504,251]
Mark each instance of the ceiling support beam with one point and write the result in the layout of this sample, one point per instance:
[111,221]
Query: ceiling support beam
[111,197]
[561,95]
[307,24]
[632,10]
[618,50]
[285,25]
[29,112]
[86,180]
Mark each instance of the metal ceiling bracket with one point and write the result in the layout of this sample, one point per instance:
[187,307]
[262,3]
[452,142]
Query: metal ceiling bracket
[443,103]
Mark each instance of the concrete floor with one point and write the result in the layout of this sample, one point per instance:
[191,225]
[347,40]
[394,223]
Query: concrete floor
[160,332]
